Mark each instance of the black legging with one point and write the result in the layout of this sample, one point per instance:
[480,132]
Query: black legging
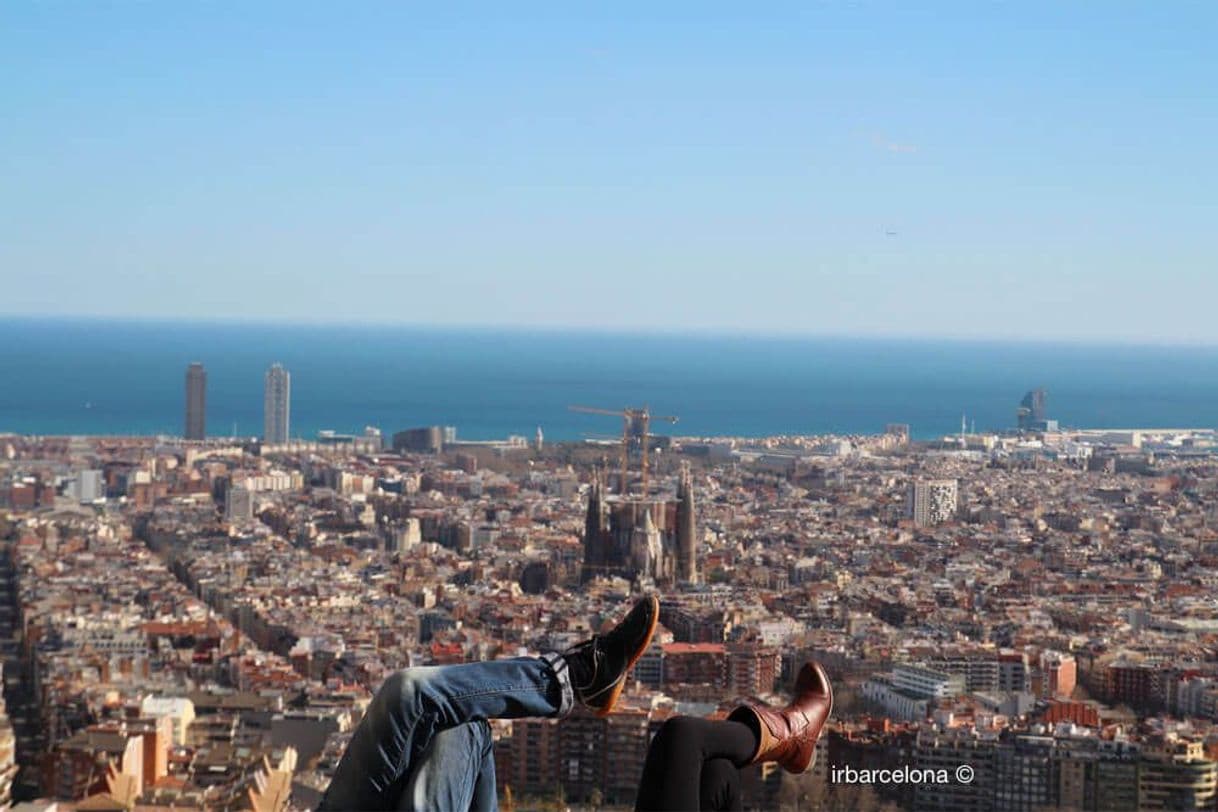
[694,764]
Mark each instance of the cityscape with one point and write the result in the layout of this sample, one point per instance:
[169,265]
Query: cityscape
[200,621]
[634,407]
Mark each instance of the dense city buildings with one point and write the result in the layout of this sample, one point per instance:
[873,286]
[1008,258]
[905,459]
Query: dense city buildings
[202,624]
[277,405]
[196,402]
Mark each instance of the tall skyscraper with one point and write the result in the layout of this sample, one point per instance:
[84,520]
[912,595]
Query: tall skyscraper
[1032,412]
[932,501]
[277,403]
[196,402]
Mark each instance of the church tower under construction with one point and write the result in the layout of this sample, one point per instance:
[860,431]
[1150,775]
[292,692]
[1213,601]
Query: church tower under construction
[634,537]
[687,531]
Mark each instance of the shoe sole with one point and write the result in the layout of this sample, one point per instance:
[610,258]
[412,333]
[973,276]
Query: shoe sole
[617,689]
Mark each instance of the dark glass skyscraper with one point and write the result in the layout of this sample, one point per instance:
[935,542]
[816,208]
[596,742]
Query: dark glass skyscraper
[1032,410]
[277,403]
[196,402]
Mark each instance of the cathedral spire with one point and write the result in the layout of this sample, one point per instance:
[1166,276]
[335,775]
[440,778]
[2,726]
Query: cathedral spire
[687,531]
[594,529]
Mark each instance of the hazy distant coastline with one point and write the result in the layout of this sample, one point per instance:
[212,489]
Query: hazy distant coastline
[67,376]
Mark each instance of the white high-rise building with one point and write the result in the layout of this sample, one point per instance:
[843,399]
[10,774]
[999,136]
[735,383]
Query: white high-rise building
[89,485]
[405,535]
[238,505]
[932,501]
[277,404]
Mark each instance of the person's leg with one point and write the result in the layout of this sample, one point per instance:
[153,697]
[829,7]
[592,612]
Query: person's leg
[720,787]
[486,794]
[788,735]
[455,773]
[412,706]
[672,774]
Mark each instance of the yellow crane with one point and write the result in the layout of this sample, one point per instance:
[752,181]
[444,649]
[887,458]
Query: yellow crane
[635,428]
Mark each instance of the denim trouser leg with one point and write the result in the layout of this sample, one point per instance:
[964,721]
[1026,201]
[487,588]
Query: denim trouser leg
[412,706]
[455,773]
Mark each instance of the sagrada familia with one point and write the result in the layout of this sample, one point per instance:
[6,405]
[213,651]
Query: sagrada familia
[634,536]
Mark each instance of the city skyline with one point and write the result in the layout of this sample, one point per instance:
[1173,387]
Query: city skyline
[823,168]
[495,383]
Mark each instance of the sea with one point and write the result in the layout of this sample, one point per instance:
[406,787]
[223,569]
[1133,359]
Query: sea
[91,376]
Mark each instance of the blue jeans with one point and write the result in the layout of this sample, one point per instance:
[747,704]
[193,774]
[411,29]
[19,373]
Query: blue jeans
[424,743]
[433,782]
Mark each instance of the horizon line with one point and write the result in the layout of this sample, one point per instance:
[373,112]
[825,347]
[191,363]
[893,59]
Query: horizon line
[745,333]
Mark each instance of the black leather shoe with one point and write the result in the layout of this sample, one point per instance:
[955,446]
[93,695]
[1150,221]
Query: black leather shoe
[599,666]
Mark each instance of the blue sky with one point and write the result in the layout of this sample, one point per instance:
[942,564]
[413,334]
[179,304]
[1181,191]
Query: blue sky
[1023,169]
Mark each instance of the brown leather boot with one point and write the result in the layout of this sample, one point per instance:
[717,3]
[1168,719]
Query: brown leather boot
[788,735]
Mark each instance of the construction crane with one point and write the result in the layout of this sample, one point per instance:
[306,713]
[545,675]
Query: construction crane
[635,428]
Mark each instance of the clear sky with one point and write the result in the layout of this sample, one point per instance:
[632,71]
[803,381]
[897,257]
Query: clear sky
[971,169]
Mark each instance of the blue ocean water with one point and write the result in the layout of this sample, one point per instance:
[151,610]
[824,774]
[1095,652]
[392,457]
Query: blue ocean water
[110,377]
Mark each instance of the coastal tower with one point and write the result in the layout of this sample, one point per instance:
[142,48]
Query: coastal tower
[196,402]
[276,405]
[595,527]
[1033,410]
[687,531]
